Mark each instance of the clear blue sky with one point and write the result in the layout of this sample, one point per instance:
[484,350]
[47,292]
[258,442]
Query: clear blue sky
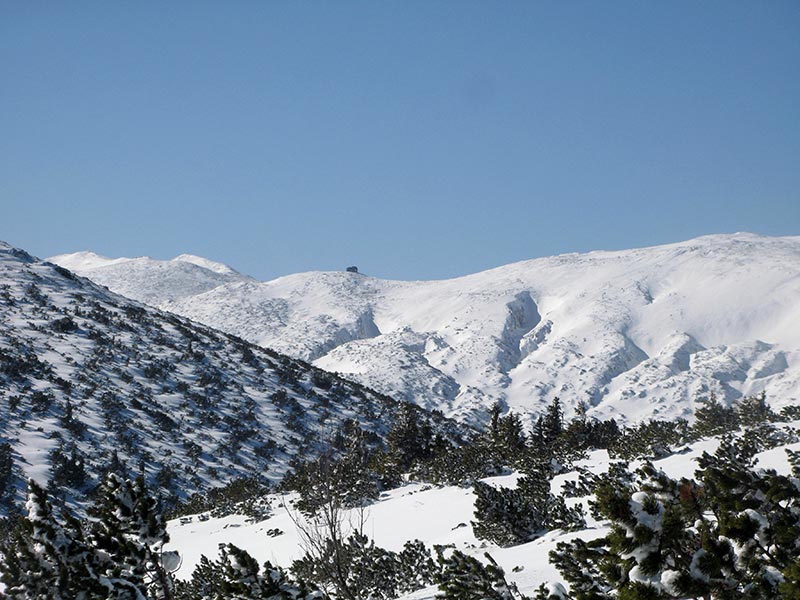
[413,139]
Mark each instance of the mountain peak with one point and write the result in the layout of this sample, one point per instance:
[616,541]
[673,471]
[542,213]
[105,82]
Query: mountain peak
[598,327]
[151,280]
[83,260]
[206,263]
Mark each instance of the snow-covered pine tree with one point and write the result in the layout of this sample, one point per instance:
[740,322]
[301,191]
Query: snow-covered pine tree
[662,538]
[416,568]
[464,577]
[587,567]
[754,410]
[68,467]
[650,439]
[409,439]
[343,476]
[713,418]
[513,516]
[6,475]
[237,576]
[242,579]
[505,437]
[357,568]
[372,570]
[731,534]
[758,515]
[504,516]
[48,559]
[459,465]
[128,533]
[203,583]
[548,427]
[648,554]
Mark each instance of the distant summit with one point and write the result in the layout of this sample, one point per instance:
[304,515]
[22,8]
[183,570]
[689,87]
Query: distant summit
[634,333]
[211,265]
[151,280]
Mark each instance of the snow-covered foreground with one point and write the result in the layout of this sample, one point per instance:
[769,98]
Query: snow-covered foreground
[435,515]
[636,334]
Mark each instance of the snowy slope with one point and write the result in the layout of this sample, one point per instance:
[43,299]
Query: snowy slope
[435,515]
[148,279]
[636,333]
[88,377]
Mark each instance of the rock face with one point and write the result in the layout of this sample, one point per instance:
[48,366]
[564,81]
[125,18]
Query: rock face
[635,334]
[90,380]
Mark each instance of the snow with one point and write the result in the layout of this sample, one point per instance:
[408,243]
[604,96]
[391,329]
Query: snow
[85,261]
[415,511]
[776,457]
[636,334]
[653,521]
[148,279]
[669,581]
[211,265]
[439,515]
[167,418]
[694,568]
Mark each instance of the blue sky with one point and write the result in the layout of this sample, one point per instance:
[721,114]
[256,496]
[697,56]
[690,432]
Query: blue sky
[414,139]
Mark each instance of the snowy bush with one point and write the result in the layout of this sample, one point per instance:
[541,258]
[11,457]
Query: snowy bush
[513,516]
[732,533]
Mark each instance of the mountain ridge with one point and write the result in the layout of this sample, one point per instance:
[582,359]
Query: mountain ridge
[633,333]
[92,381]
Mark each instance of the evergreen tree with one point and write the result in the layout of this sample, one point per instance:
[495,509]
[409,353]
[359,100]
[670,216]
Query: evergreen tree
[48,559]
[204,582]
[67,467]
[513,516]
[459,465]
[650,439]
[712,418]
[129,527]
[731,534]
[493,431]
[759,512]
[359,569]
[237,576]
[754,410]
[505,436]
[116,555]
[345,475]
[504,516]
[243,581]
[588,568]
[583,433]
[464,577]
[6,475]
[409,439]
[416,568]
[71,423]
[549,426]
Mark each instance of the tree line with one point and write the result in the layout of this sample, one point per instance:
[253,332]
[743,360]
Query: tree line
[732,531]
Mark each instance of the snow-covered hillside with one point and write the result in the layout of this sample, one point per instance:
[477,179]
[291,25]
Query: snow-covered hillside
[92,381]
[634,333]
[435,515]
[148,279]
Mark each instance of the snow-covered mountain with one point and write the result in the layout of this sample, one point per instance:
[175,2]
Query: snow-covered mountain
[92,381]
[634,333]
[150,280]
